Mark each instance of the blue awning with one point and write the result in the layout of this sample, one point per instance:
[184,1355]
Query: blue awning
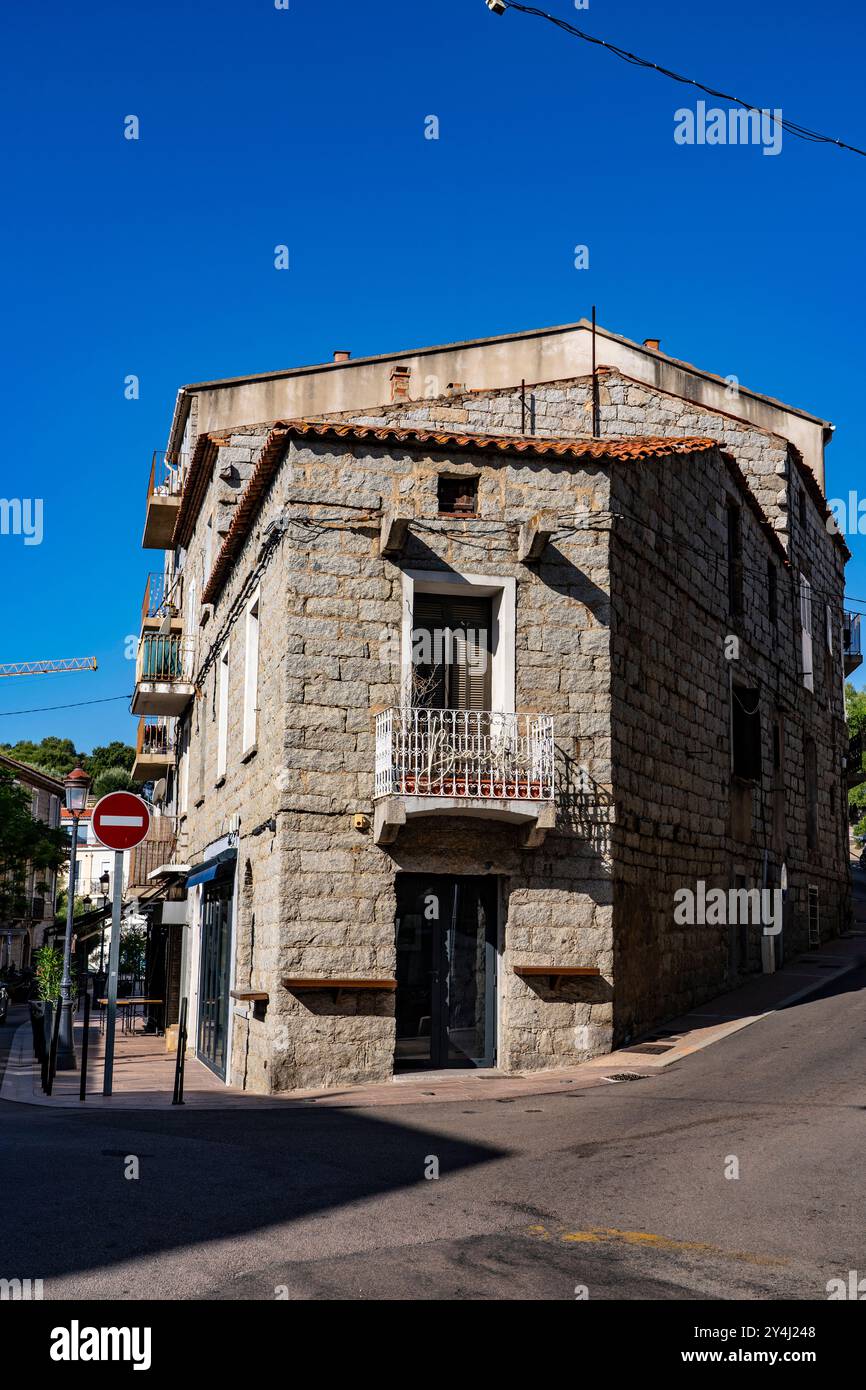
[222,866]
[202,876]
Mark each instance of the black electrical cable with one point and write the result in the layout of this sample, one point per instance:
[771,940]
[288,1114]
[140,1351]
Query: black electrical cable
[801,132]
[78,704]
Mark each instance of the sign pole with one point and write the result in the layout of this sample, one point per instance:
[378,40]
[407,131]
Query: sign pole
[113,968]
[120,821]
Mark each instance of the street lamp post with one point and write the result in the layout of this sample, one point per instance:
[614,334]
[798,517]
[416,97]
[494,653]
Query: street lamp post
[104,880]
[77,785]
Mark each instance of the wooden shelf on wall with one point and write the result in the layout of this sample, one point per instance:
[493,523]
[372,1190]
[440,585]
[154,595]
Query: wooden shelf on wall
[254,996]
[321,982]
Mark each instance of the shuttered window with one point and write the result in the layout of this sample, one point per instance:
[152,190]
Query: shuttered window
[806,632]
[451,639]
[746,733]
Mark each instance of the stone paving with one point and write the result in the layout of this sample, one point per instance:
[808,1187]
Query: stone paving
[144,1071]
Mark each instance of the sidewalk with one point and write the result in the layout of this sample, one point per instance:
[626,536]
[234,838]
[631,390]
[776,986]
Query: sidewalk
[144,1071]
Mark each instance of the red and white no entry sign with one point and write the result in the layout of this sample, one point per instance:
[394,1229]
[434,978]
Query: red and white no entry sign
[120,820]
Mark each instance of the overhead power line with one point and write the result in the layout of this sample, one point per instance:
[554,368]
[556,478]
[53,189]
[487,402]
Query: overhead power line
[801,132]
[77,704]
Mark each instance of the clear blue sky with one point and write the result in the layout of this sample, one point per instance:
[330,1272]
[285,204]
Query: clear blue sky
[306,127]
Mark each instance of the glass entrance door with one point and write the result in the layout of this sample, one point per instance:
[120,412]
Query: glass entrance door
[213,989]
[446,971]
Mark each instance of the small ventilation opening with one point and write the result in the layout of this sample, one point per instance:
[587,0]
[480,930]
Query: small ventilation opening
[458,496]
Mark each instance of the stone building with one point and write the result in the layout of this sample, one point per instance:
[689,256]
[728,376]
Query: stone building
[464,664]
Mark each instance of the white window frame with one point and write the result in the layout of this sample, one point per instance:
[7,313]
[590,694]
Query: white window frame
[503,591]
[223,715]
[252,627]
[806,633]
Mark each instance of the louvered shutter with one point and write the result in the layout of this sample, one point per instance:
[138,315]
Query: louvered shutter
[459,634]
[469,683]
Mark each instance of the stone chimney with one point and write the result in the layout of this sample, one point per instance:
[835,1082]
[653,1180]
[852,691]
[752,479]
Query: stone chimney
[400,384]
[341,355]
[654,344]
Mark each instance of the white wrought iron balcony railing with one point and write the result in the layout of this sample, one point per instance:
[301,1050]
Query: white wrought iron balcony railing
[464,753]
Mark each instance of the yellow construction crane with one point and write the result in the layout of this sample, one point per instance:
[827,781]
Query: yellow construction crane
[48,668]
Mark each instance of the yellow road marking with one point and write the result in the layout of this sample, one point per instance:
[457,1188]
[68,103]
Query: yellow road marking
[598,1235]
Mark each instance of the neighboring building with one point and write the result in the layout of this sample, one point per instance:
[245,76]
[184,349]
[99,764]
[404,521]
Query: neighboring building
[92,859]
[21,936]
[448,699]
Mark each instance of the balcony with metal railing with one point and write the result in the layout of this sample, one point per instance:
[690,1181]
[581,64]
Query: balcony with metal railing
[161,604]
[164,489]
[158,849]
[852,656]
[164,673]
[154,750]
[483,763]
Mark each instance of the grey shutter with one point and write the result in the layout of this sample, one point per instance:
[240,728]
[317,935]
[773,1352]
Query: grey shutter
[470,621]
[464,681]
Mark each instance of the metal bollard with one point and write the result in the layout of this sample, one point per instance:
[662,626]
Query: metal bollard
[177,1098]
[82,1092]
[52,1055]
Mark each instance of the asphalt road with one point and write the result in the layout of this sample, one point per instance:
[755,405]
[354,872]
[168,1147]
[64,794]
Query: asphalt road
[621,1190]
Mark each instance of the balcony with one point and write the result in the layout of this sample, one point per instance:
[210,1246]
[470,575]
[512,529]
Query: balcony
[851,654]
[163,502]
[152,853]
[163,674]
[162,602]
[480,763]
[154,749]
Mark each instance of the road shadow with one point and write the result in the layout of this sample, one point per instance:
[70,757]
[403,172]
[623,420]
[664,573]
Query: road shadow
[203,1176]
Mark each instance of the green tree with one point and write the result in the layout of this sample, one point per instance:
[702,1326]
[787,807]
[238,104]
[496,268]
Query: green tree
[62,899]
[855,711]
[114,779]
[133,943]
[108,758]
[56,756]
[24,843]
[855,708]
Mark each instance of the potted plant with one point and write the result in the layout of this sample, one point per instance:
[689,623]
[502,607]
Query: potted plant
[49,973]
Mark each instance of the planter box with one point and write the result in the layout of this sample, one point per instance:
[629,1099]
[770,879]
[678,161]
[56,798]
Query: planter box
[37,1024]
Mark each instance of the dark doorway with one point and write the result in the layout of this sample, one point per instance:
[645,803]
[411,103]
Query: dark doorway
[213,989]
[446,971]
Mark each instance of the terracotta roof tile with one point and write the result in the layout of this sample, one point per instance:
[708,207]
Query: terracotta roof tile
[635,447]
[576,450]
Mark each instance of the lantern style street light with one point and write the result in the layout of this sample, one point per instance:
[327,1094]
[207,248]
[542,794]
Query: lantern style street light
[76,785]
[104,880]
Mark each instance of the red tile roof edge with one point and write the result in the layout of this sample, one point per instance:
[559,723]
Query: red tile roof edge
[614,449]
